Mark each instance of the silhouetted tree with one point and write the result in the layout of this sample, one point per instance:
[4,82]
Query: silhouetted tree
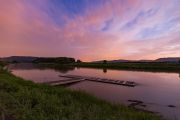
[59,60]
[14,61]
[79,61]
[179,61]
[104,61]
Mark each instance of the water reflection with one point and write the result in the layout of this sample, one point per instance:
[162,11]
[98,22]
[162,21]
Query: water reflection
[105,70]
[25,66]
[156,90]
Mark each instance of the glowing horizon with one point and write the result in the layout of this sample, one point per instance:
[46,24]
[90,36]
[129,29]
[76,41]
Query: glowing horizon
[90,29]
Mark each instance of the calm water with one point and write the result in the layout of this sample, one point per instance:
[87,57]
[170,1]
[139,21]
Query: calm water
[156,90]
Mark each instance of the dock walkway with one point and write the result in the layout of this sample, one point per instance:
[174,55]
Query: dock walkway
[64,82]
[102,80]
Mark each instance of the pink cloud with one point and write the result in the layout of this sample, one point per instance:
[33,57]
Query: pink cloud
[27,30]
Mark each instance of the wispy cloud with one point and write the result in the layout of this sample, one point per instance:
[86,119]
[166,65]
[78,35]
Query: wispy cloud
[90,29]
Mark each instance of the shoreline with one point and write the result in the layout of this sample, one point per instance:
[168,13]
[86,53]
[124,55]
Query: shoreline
[146,67]
[142,67]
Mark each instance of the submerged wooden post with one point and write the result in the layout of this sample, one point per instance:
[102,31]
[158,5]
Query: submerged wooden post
[2,115]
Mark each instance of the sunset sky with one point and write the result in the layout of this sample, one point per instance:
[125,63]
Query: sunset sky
[90,29]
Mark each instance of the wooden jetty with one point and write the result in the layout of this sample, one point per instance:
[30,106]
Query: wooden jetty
[102,80]
[64,82]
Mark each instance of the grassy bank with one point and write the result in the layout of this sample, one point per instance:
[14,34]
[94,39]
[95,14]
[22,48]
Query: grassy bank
[24,100]
[154,67]
[2,64]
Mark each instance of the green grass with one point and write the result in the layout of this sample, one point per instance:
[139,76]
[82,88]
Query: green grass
[153,67]
[25,100]
[2,64]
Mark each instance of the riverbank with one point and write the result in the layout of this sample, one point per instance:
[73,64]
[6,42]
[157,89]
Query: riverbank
[152,67]
[25,100]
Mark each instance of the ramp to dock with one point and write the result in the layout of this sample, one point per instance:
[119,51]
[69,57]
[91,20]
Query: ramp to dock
[102,80]
[64,82]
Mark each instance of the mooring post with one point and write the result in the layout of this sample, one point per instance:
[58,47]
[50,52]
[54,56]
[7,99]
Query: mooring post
[2,115]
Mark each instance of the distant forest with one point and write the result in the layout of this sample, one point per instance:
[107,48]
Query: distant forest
[60,60]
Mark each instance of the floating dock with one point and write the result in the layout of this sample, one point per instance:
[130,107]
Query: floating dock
[102,80]
[64,82]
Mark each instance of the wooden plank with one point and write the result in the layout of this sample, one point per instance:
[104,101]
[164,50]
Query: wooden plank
[49,82]
[71,80]
[103,80]
[67,82]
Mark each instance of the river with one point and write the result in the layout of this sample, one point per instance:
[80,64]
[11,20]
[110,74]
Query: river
[159,91]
